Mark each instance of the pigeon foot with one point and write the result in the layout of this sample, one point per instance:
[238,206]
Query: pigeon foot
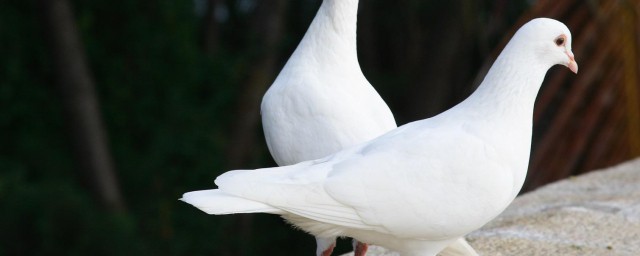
[329,250]
[360,249]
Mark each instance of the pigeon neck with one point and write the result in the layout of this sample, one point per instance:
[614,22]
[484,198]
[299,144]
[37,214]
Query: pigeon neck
[511,86]
[332,34]
[501,109]
[342,12]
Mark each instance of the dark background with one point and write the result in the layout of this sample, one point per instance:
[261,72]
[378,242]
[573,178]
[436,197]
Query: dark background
[110,110]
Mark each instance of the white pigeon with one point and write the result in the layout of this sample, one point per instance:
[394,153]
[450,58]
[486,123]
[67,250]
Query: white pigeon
[425,184]
[321,103]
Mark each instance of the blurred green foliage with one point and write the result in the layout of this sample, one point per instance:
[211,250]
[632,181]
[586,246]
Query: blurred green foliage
[166,107]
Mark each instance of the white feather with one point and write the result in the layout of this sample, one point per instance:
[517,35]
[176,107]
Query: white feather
[214,201]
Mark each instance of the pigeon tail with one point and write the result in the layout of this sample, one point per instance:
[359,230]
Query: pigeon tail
[214,201]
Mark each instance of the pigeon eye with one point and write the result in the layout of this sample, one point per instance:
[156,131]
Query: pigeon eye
[560,41]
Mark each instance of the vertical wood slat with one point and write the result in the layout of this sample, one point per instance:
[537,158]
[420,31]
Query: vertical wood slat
[593,115]
[578,136]
[611,128]
[629,55]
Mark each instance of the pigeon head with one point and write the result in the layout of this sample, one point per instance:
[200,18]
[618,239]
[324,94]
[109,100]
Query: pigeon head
[551,41]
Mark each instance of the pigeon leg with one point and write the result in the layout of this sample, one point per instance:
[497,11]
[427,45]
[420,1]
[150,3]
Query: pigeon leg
[325,246]
[359,248]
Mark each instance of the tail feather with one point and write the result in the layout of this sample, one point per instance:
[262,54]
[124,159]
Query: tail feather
[214,201]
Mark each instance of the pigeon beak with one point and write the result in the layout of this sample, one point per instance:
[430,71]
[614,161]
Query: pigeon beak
[573,65]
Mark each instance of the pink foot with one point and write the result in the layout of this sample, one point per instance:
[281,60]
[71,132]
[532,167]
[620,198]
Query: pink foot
[360,249]
[329,250]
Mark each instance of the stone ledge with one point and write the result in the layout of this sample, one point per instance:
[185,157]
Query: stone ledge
[593,214]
